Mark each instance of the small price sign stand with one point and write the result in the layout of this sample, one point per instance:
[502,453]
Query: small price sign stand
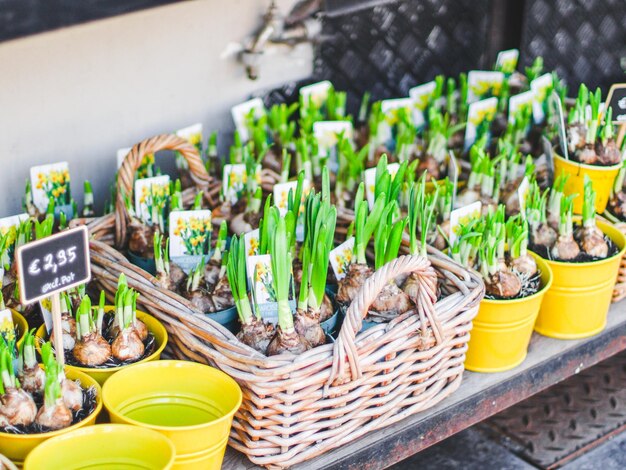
[50,266]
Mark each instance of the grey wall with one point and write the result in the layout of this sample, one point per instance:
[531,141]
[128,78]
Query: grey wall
[79,94]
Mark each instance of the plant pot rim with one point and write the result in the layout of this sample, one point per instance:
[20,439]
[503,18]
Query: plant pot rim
[586,166]
[166,364]
[72,374]
[599,262]
[540,292]
[152,357]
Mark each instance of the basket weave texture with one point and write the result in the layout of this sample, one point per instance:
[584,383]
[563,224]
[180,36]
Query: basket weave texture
[297,407]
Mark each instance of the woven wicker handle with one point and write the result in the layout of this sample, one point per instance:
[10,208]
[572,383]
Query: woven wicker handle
[345,347]
[132,162]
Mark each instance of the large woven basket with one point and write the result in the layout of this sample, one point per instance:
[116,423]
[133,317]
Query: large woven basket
[619,292]
[297,407]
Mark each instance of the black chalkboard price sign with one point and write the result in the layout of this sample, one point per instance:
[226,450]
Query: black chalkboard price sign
[616,99]
[53,264]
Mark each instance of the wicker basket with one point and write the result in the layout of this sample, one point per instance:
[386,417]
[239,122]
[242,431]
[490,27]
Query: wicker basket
[297,407]
[619,292]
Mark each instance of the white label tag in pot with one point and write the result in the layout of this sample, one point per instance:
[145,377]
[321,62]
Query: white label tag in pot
[327,134]
[479,112]
[242,112]
[147,192]
[233,181]
[506,62]
[46,312]
[251,242]
[259,271]
[342,257]
[370,181]
[540,86]
[50,181]
[316,92]
[192,133]
[13,221]
[7,328]
[390,109]
[190,233]
[519,101]
[421,96]
[453,174]
[462,216]
[280,194]
[482,83]
[522,194]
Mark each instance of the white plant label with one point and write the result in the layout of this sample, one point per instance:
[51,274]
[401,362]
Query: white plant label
[370,181]
[481,83]
[540,86]
[421,95]
[479,112]
[251,242]
[280,194]
[147,192]
[13,221]
[191,133]
[50,181]
[516,102]
[506,62]
[190,233]
[522,194]
[7,328]
[462,216]
[234,179]
[259,271]
[242,111]
[342,257]
[316,92]
[327,134]
[390,109]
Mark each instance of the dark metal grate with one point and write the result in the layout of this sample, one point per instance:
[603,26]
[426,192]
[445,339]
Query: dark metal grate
[558,424]
[388,48]
[584,40]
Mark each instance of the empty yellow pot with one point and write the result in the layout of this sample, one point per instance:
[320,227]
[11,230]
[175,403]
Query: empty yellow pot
[502,329]
[101,375]
[17,446]
[601,176]
[578,302]
[22,326]
[190,403]
[106,446]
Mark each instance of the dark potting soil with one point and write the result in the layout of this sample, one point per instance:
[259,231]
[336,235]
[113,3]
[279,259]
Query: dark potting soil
[581,258]
[89,406]
[149,347]
[530,285]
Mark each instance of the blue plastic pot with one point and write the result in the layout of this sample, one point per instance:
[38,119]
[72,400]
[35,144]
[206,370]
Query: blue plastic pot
[147,264]
[227,318]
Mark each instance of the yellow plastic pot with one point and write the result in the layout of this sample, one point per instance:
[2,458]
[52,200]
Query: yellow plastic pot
[106,446]
[602,177]
[502,329]
[190,403]
[577,304]
[17,446]
[22,326]
[102,375]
